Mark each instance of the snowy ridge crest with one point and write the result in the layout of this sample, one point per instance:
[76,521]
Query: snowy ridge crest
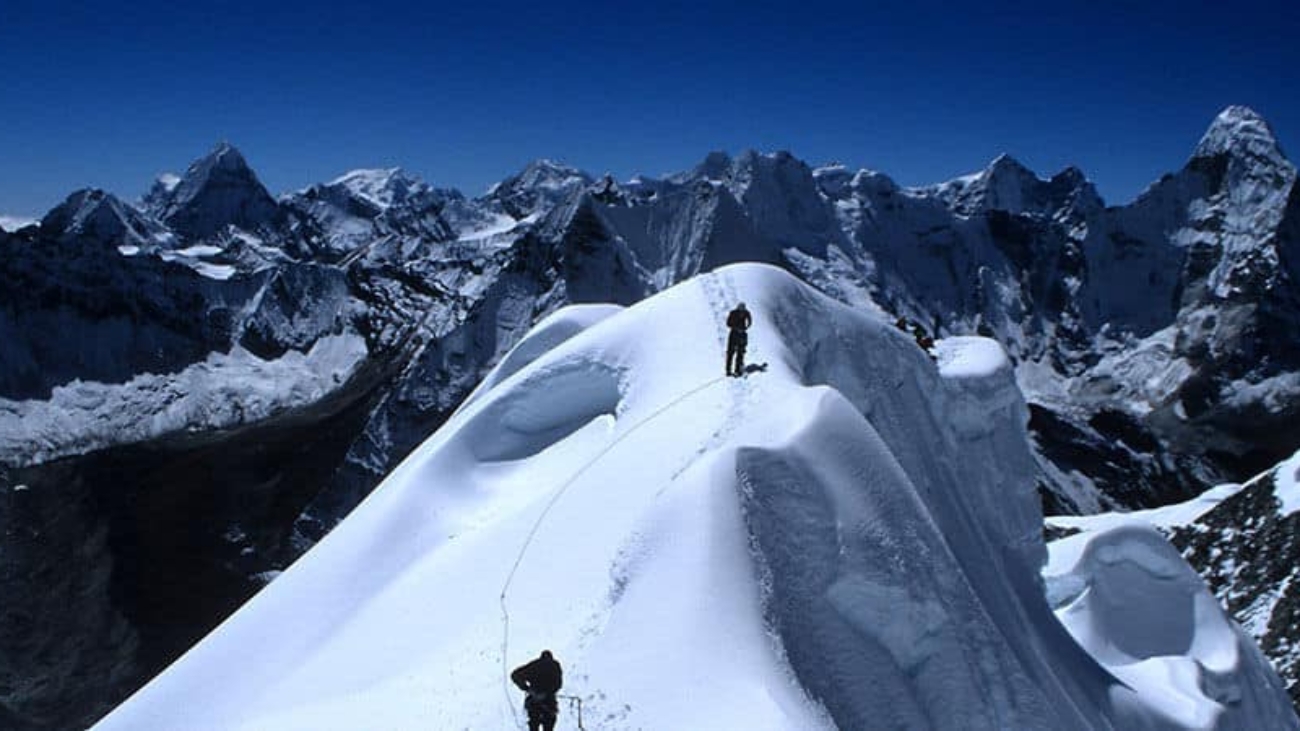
[670,520]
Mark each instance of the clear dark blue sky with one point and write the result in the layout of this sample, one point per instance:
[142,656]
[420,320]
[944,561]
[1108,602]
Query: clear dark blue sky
[111,95]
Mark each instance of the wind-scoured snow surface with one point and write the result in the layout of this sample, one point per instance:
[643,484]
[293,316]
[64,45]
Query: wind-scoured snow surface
[848,538]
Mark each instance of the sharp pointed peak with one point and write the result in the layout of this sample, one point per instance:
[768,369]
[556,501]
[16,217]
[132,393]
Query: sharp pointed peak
[1004,163]
[226,155]
[715,166]
[1070,174]
[1237,128]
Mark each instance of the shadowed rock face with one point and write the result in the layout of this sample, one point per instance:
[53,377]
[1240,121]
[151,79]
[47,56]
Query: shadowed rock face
[118,561]
[1248,551]
[80,310]
[217,191]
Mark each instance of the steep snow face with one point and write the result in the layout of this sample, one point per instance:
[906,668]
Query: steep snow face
[224,390]
[780,197]
[620,243]
[844,538]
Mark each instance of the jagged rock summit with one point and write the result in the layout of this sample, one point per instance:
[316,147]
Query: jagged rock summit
[541,185]
[217,191]
[103,219]
[1240,130]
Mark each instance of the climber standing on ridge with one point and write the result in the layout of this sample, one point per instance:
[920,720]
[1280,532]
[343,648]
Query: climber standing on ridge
[541,679]
[738,321]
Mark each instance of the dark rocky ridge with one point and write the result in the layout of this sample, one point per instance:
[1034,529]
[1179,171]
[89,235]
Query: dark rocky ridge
[1249,554]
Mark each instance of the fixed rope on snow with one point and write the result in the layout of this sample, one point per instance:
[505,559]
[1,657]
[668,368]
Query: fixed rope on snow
[712,294]
[532,533]
[574,700]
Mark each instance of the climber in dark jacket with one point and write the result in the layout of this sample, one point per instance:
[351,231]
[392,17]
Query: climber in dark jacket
[738,321]
[541,679]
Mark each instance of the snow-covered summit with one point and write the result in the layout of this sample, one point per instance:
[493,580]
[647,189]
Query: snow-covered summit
[1008,185]
[845,538]
[539,186]
[1239,129]
[382,187]
[549,174]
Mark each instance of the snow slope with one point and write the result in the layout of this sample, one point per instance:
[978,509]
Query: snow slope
[13,223]
[845,538]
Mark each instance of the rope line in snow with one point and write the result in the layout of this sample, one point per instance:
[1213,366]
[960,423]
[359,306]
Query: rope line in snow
[523,550]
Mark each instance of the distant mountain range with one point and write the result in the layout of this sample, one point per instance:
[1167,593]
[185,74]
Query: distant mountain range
[198,385]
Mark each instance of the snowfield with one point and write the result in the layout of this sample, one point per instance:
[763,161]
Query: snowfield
[224,390]
[849,537]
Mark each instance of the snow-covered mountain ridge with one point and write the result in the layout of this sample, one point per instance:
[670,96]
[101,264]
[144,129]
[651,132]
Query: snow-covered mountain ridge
[848,537]
[1155,341]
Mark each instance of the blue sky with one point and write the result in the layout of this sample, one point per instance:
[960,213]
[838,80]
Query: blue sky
[111,95]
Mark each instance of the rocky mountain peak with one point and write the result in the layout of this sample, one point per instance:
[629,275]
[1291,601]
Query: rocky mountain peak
[546,173]
[219,190]
[1005,184]
[93,214]
[1242,131]
[780,169]
[160,195]
[715,166]
[1071,187]
[538,187]
[1006,165]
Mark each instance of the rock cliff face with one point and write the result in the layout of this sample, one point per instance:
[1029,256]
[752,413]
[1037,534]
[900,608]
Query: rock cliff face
[1248,549]
[320,336]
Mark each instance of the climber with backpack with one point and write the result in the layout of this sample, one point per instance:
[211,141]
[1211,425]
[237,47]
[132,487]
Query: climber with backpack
[738,322]
[541,679]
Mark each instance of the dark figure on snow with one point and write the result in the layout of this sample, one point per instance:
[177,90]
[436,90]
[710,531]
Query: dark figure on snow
[738,321]
[918,333]
[541,679]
